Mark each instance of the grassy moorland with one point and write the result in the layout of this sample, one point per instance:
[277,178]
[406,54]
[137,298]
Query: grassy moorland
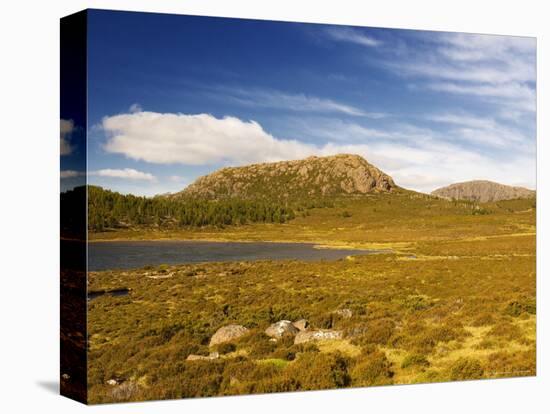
[454,300]
[402,216]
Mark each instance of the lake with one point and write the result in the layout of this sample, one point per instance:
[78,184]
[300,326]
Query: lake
[136,254]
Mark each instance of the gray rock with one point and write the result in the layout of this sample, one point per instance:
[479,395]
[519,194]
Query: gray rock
[213,355]
[278,329]
[301,324]
[227,334]
[319,335]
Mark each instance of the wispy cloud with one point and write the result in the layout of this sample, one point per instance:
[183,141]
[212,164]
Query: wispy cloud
[497,69]
[135,107]
[65,130]
[514,95]
[351,35]
[295,102]
[126,173]
[472,47]
[484,131]
[71,174]
[176,178]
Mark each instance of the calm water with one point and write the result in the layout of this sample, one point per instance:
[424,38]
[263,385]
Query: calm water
[128,255]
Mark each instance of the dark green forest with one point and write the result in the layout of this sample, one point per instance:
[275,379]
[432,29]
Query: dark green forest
[111,210]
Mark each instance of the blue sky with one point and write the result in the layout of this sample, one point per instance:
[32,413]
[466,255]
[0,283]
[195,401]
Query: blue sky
[175,97]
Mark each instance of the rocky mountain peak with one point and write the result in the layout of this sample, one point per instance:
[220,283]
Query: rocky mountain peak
[339,174]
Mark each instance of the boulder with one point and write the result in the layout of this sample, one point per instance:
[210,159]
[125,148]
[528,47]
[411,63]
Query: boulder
[278,329]
[228,333]
[301,324]
[319,335]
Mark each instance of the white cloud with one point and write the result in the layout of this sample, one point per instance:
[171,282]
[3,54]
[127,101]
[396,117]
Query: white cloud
[347,34]
[418,158]
[177,179]
[65,130]
[195,139]
[126,173]
[71,173]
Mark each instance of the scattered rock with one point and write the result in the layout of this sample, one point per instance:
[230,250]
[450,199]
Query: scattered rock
[213,355]
[227,334]
[301,324]
[161,276]
[278,329]
[344,313]
[320,335]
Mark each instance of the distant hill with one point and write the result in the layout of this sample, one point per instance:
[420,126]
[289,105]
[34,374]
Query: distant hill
[341,174]
[482,191]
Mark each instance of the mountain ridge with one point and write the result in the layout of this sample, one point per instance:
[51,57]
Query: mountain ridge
[482,191]
[341,174]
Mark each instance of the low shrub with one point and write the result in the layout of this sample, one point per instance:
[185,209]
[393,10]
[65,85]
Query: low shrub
[376,332]
[483,320]
[306,347]
[372,369]
[506,330]
[285,354]
[324,320]
[466,368]
[415,360]
[524,305]
[226,348]
[513,364]
[446,333]
[262,349]
[313,371]
[422,344]
[417,302]
[278,384]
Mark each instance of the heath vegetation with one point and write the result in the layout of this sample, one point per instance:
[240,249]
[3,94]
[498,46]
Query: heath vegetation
[450,296]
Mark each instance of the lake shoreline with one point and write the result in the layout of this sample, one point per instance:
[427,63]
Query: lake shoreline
[138,253]
[385,247]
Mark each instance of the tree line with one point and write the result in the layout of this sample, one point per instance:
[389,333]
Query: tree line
[108,209]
